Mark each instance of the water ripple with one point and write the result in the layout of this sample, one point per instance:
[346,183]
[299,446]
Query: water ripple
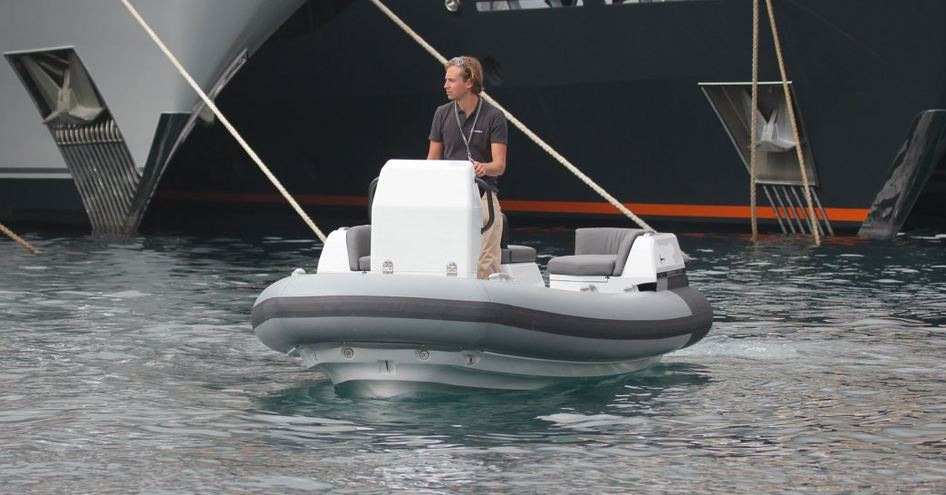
[130,366]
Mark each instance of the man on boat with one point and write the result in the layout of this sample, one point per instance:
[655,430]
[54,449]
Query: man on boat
[469,128]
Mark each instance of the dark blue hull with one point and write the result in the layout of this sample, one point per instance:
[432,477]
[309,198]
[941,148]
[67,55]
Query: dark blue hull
[614,88]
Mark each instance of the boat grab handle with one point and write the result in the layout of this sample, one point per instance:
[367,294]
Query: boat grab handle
[489,203]
[372,187]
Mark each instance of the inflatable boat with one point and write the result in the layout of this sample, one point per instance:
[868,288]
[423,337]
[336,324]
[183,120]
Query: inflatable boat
[395,307]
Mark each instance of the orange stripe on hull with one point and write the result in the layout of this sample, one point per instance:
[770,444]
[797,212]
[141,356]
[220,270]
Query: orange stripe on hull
[672,210]
[581,207]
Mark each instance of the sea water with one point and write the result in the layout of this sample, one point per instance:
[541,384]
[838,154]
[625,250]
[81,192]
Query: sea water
[129,366]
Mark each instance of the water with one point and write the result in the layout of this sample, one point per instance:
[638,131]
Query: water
[130,366]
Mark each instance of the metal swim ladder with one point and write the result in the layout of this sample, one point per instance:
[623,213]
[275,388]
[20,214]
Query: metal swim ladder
[790,210]
[103,170]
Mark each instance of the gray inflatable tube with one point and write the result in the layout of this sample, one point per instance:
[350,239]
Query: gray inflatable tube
[448,313]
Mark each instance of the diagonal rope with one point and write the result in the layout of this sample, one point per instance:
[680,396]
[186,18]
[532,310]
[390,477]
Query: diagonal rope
[516,122]
[223,120]
[812,219]
[19,240]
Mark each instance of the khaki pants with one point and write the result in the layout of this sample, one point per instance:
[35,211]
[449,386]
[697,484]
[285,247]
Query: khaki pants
[490,252]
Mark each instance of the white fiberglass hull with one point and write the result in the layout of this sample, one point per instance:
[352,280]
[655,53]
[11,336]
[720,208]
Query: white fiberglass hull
[389,372]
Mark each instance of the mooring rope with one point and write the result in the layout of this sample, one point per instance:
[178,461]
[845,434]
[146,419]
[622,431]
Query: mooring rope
[516,122]
[19,240]
[812,219]
[753,133]
[226,123]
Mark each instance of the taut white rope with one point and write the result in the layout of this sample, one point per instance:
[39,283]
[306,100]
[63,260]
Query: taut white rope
[19,240]
[516,122]
[812,219]
[223,120]
[753,150]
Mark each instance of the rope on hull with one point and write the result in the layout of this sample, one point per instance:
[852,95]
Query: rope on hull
[753,152]
[813,223]
[226,123]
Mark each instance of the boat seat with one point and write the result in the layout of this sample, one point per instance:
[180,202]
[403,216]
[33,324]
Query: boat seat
[513,253]
[359,247]
[517,254]
[600,251]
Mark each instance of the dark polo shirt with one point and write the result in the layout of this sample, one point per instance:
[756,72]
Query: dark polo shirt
[490,128]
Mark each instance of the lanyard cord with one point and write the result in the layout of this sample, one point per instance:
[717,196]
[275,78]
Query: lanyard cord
[476,116]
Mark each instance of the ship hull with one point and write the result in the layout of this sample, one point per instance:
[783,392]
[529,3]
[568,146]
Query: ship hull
[615,89]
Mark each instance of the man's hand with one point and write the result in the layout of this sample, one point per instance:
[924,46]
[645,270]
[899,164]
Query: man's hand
[479,168]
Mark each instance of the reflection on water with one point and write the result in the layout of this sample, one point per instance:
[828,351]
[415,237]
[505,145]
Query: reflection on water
[130,366]
[500,413]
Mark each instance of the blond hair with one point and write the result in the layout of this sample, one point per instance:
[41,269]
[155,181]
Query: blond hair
[470,69]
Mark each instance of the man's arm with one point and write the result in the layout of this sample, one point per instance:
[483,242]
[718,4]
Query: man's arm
[496,167]
[435,152]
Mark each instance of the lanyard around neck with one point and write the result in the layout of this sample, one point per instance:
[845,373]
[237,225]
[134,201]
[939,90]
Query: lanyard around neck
[476,116]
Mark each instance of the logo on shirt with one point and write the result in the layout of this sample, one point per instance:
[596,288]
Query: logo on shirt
[477,131]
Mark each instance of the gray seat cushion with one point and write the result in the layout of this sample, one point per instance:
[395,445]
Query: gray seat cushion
[514,253]
[583,264]
[359,245]
[607,240]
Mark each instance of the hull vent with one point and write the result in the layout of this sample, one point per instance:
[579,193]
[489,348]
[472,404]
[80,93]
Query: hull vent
[778,173]
[778,160]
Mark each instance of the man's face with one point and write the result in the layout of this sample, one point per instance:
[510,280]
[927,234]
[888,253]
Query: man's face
[454,84]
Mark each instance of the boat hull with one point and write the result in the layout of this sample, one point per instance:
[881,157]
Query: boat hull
[445,331]
[386,371]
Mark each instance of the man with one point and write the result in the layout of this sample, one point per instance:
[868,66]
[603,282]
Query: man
[469,128]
